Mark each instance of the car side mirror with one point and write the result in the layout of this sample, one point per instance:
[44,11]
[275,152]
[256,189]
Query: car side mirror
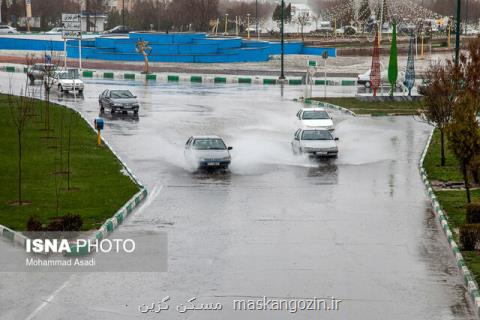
[230,148]
[336,139]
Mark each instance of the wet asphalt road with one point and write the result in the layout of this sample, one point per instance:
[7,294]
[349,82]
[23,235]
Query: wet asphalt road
[357,228]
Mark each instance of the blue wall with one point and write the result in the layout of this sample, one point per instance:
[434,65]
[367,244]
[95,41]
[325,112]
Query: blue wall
[174,47]
[30,44]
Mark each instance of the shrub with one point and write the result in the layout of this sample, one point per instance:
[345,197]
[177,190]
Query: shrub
[473,213]
[72,222]
[69,222]
[469,236]
[34,224]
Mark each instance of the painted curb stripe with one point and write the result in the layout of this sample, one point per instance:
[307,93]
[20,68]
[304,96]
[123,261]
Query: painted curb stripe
[245,80]
[220,80]
[150,77]
[196,79]
[129,76]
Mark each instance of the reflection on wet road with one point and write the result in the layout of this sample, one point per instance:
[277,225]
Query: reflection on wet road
[357,228]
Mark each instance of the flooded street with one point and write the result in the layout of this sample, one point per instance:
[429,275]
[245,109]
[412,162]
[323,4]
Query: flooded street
[357,228]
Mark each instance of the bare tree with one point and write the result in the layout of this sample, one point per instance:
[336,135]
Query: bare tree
[464,135]
[48,83]
[71,124]
[303,20]
[440,92]
[20,112]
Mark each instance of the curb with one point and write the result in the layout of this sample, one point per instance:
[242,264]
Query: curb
[327,105]
[468,277]
[110,224]
[192,78]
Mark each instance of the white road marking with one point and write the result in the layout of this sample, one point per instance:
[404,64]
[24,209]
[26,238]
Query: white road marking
[150,197]
[48,300]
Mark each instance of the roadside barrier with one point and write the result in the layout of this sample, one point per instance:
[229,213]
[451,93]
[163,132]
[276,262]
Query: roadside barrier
[470,283]
[192,78]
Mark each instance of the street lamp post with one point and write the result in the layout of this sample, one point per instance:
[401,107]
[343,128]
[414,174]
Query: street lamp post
[123,12]
[457,37]
[256,19]
[282,26]
[226,23]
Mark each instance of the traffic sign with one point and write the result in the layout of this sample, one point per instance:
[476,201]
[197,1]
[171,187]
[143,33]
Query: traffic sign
[71,17]
[312,63]
[72,26]
[77,35]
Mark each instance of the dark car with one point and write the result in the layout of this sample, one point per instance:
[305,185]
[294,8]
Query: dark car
[38,71]
[118,100]
[119,30]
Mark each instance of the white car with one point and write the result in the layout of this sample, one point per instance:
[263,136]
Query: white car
[4,29]
[364,78]
[317,118]
[67,81]
[57,30]
[315,142]
[207,152]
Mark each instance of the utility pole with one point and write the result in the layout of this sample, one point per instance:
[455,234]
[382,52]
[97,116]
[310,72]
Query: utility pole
[457,37]
[87,12]
[123,12]
[158,15]
[466,17]
[282,74]
[256,18]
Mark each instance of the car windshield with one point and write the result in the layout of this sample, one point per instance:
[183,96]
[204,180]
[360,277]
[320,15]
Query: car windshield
[66,75]
[316,135]
[313,115]
[121,94]
[209,144]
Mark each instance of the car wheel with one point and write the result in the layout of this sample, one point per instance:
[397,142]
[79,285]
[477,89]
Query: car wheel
[102,109]
[80,91]
[60,88]
[112,110]
[368,84]
[135,111]
[32,80]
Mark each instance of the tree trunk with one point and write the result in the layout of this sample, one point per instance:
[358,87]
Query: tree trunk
[68,152]
[465,180]
[19,132]
[442,147]
[145,60]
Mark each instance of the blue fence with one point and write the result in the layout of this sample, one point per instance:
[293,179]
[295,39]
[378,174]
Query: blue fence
[175,47]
